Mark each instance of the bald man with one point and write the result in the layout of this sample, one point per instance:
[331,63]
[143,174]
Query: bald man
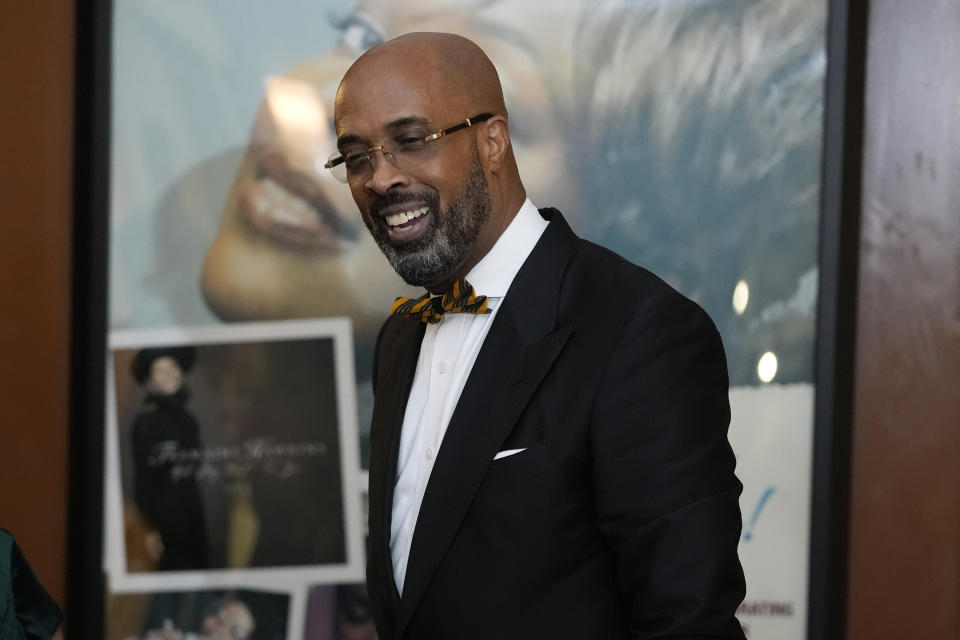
[549,453]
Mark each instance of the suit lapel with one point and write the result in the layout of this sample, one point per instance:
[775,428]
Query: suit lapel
[396,365]
[518,351]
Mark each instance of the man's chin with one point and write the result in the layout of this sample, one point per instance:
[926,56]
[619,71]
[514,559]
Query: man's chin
[424,278]
[409,263]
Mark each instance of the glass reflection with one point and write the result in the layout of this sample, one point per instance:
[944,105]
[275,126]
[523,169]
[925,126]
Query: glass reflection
[767,367]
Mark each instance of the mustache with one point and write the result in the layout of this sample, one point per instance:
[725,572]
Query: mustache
[379,202]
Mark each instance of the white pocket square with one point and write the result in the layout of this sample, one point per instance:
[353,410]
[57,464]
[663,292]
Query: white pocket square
[508,452]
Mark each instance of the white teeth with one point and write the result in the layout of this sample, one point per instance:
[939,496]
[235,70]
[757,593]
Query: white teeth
[405,216]
[282,205]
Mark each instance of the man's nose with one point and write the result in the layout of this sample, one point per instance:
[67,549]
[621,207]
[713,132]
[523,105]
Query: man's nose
[384,173]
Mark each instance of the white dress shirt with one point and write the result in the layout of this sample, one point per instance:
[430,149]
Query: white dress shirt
[447,354]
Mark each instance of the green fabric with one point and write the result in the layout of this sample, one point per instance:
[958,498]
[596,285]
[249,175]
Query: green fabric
[27,612]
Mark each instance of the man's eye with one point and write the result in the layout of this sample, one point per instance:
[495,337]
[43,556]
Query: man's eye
[359,35]
[354,160]
[409,144]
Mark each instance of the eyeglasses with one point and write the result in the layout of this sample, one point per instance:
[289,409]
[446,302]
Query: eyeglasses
[407,153]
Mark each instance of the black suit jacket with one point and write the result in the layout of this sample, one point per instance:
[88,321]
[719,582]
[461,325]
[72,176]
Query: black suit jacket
[620,519]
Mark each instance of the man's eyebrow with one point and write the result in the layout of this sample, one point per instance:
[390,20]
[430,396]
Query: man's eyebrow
[350,138]
[406,120]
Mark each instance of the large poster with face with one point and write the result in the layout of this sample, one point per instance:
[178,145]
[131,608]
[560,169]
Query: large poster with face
[684,135]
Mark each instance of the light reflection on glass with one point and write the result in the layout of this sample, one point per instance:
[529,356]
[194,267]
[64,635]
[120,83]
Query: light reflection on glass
[741,296]
[767,367]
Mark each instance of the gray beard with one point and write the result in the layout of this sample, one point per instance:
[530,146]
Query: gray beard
[436,256]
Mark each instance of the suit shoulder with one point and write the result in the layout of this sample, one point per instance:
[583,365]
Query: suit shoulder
[640,315]
[616,280]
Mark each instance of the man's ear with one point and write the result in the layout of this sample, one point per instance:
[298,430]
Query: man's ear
[493,142]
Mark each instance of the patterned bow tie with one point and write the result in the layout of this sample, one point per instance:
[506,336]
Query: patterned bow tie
[460,298]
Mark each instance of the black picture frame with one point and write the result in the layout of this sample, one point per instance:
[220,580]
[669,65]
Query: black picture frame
[838,258]
[84,615]
[847,28]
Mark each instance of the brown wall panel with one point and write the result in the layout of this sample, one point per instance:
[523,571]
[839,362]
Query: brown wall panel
[36,112]
[904,571]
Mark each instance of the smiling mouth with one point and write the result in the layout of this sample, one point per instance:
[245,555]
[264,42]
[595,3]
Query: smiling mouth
[405,217]
[406,225]
[288,206]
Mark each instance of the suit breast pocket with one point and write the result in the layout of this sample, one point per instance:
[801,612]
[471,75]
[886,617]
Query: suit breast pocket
[514,482]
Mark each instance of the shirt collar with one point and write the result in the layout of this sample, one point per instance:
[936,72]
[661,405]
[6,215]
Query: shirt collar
[492,276]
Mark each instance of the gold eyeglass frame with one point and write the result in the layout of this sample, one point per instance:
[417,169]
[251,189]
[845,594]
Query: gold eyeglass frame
[388,153]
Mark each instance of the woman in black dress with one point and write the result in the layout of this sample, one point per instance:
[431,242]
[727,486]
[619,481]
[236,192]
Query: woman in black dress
[166,454]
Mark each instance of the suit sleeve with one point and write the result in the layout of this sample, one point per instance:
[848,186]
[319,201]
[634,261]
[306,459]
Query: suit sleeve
[665,489]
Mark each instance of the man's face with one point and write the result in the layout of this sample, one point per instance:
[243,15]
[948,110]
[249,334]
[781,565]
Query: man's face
[424,212]
[291,243]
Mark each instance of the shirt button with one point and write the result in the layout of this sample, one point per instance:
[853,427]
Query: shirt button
[443,367]
[430,453]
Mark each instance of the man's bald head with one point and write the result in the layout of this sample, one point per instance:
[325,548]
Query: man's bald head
[450,68]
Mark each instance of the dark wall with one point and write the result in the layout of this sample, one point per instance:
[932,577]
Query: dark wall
[36,125]
[904,568]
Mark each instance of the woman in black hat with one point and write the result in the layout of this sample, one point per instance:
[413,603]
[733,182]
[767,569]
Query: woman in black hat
[166,453]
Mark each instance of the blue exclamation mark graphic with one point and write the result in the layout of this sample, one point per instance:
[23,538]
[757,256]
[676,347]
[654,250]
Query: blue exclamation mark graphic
[751,524]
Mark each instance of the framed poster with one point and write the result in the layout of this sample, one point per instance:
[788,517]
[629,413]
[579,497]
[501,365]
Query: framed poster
[687,136]
[242,466]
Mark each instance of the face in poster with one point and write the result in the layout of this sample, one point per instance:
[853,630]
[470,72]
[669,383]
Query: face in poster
[683,135]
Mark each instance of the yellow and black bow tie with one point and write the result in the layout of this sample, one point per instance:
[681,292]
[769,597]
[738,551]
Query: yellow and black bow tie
[460,298]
